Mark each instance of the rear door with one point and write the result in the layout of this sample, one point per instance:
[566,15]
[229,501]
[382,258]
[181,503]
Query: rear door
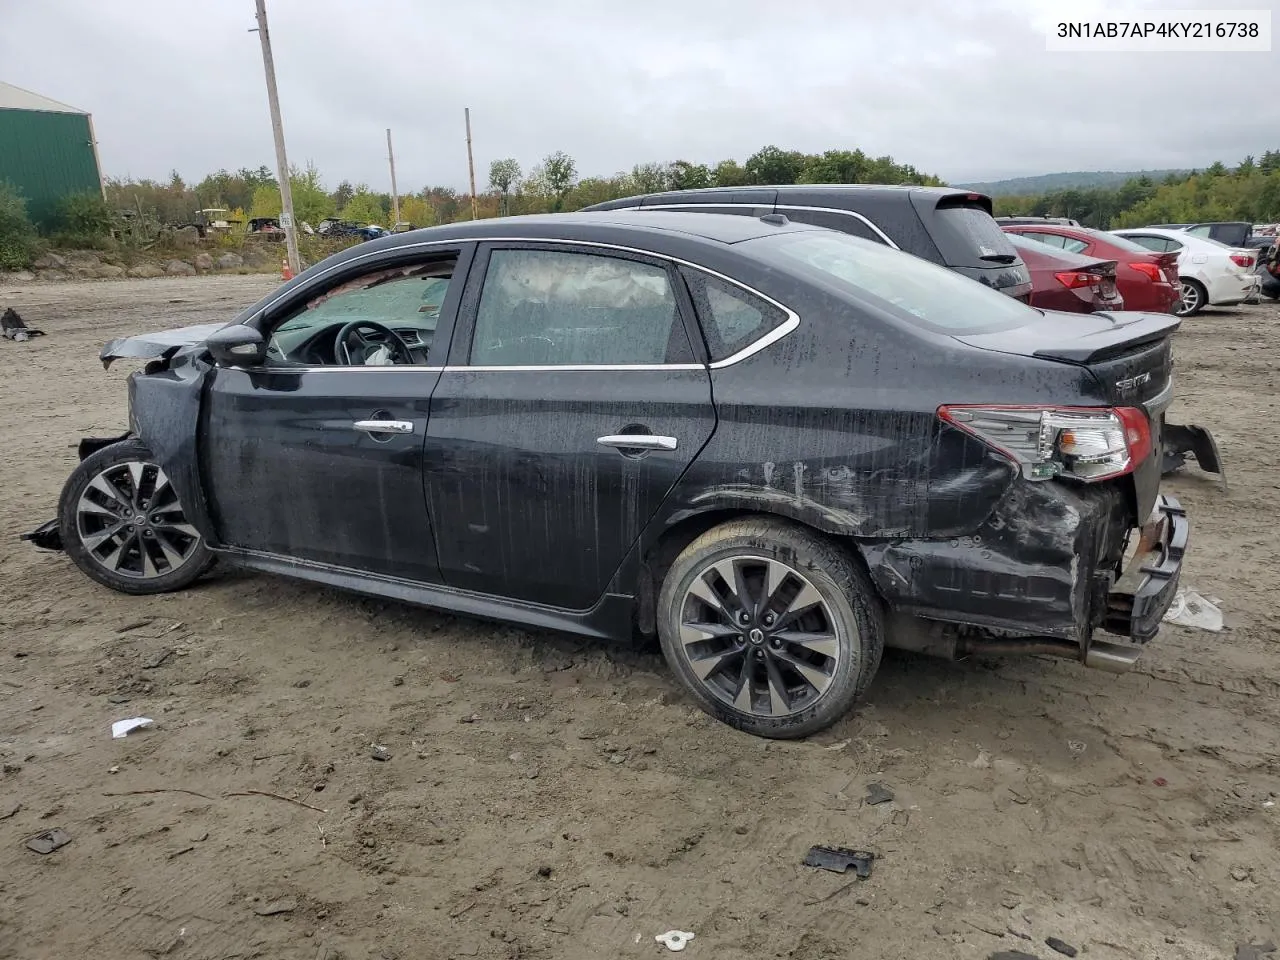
[573,401]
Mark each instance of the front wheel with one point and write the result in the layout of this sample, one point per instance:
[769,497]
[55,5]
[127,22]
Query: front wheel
[773,629]
[122,523]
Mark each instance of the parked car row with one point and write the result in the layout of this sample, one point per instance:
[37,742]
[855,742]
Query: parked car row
[778,448]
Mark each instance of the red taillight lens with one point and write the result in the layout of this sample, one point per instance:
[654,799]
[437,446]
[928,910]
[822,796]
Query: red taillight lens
[1074,281]
[1149,270]
[1080,443]
[1242,260]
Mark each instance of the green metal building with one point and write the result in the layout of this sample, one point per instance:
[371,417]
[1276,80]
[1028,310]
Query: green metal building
[47,150]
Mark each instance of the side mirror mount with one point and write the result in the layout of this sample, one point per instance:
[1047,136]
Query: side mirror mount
[237,346]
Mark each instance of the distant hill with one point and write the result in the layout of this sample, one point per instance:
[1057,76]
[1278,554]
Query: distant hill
[1026,186]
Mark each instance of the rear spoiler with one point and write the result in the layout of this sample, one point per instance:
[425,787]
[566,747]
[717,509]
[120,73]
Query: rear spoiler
[1127,331]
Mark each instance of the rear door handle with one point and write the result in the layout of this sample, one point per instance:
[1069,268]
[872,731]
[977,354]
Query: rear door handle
[383,426]
[638,441]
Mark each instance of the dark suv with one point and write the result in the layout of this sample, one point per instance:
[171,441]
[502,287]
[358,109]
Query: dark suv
[951,227]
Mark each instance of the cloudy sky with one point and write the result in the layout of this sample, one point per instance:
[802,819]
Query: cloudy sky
[961,88]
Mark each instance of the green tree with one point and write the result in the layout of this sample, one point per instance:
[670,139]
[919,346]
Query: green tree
[84,216]
[560,173]
[364,207]
[503,175]
[773,165]
[651,177]
[17,233]
[311,203]
[690,176]
[835,166]
[729,173]
[342,196]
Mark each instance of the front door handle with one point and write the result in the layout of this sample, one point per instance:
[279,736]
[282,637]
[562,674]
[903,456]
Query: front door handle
[383,426]
[638,441]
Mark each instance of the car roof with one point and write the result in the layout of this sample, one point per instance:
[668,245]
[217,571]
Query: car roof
[613,225]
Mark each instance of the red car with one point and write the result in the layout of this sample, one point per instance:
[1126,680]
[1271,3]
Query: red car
[1147,281]
[1068,281]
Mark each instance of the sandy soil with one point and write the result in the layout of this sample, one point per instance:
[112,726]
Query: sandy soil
[546,799]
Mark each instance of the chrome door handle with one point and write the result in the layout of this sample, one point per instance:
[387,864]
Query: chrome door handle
[383,426]
[638,441]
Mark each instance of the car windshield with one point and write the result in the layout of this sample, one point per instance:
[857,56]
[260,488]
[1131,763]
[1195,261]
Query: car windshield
[909,288]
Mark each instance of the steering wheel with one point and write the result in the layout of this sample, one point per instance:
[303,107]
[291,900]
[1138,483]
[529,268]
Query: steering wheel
[342,351]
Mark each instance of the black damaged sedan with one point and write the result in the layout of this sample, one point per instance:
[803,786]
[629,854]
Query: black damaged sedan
[777,447]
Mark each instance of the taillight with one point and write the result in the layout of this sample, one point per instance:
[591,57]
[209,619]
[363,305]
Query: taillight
[1151,271]
[1242,260]
[1080,443]
[1074,281]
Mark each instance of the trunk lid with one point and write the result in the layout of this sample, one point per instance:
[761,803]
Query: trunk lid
[1130,354]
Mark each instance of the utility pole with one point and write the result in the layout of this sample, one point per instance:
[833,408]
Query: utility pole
[471,166]
[395,197]
[277,128]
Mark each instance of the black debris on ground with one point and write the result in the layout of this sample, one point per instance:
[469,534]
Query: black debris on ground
[13,327]
[840,860]
[1064,948]
[878,793]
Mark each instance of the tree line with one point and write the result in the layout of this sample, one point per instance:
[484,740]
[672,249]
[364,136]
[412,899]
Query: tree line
[1250,191]
[550,185]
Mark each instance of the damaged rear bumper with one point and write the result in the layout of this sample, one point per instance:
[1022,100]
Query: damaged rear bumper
[1047,566]
[1145,591]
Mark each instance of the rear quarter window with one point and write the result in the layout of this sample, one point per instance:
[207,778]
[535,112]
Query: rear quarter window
[732,319]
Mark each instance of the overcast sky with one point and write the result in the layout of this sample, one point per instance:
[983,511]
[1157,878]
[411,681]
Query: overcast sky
[960,88]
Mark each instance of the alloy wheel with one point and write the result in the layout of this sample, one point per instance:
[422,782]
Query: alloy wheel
[759,636]
[130,522]
[1190,299]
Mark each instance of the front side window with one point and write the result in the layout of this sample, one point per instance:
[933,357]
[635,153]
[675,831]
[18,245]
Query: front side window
[556,308]
[914,290]
[404,300]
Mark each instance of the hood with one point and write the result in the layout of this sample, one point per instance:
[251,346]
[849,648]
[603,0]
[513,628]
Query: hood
[162,343]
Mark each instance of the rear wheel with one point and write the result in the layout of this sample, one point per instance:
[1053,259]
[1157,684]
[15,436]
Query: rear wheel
[1194,298]
[772,628]
[122,523]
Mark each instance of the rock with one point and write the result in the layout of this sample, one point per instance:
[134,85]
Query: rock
[50,261]
[273,907]
[84,271]
[230,261]
[1062,947]
[18,276]
[145,271]
[203,262]
[1241,873]
[179,268]
[49,275]
[257,257]
[186,237]
[109,271]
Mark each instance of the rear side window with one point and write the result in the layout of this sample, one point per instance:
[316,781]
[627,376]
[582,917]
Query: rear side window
[967,236]
[1052,239]
[1158,244]
[913,290]
[1203,231]
[732,319]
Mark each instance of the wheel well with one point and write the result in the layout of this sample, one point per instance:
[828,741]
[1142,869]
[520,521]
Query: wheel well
[659,558]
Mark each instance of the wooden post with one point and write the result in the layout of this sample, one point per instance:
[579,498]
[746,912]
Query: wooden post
[277,129]
[471,166]
[395,197]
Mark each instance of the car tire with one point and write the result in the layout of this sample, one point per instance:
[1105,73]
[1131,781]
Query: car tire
[1194,298]
[813,636]
[122,524]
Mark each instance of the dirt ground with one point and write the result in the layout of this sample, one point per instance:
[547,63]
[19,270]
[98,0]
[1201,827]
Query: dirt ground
[550,799]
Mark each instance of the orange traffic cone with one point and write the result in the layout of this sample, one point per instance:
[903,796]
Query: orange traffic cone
[286,272]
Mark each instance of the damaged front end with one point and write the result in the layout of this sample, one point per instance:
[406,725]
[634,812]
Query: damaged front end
[166,420]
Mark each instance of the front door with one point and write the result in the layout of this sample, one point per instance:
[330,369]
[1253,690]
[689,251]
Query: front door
[317,456]
[573,402]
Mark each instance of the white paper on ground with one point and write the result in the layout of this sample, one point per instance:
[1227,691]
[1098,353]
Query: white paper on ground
[122,728]
[1189,609]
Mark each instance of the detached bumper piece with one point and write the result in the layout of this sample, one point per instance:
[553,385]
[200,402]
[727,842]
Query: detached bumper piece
[1145,591]
[1182,439]
[47,536]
